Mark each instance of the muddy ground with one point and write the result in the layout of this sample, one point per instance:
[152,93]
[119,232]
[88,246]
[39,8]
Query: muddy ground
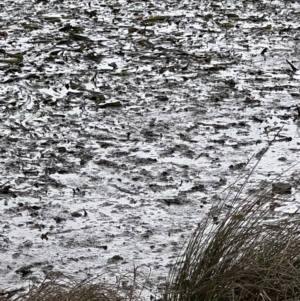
[122,122]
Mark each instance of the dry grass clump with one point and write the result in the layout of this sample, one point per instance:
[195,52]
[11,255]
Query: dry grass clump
[128,287]
[82,291]
[63,289]
[248,255]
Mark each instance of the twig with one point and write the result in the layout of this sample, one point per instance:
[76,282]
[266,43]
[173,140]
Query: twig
[4,184]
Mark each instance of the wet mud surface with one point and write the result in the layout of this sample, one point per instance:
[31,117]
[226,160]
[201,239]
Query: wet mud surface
[122,122]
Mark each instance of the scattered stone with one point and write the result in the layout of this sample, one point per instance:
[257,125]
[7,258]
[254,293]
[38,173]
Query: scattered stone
[27,244]
[76,214]
[237,166]
[24,271]
[115,259]
[59,219]
[282,188]
[282,159]
[172,201]
[197,188]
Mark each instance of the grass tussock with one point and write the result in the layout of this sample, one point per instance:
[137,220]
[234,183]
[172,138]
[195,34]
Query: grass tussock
[128,287]
[64,289]
[250,254]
